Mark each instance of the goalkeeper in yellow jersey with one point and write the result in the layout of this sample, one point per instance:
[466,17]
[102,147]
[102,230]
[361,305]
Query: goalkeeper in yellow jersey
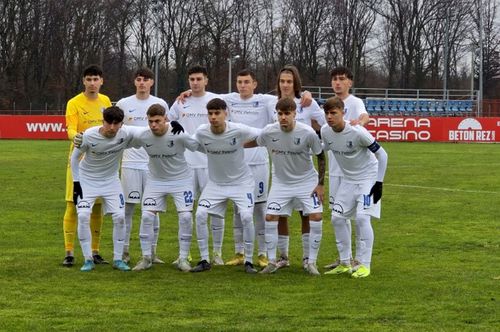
[82,112]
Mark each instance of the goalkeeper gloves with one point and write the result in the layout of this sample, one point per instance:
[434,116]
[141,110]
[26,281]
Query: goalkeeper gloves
[77,192]
[176,127]
[376,192]
[78,140]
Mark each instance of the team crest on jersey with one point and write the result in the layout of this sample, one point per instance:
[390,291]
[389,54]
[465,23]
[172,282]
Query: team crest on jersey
[349,144]
[300,110]
[120,141]
[170,144]
[296,140]
[256,104]
[233,141]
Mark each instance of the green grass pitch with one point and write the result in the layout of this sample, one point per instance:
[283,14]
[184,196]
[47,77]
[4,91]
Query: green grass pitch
[436,260]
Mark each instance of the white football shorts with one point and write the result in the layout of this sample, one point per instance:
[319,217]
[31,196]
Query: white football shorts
[260,174]
[155,195]
[133,183]
[354,198]
[110,190]
[214,197]
[200,179]
[284,198]
[333,186]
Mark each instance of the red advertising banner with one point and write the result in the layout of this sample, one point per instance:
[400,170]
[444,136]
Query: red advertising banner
[33,126]
[435,129]
[384,128]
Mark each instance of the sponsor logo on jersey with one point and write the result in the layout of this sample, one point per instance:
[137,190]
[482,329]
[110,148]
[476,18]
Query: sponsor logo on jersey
[83,205]
[134,195]
[205,203]
[93,144]
[148,145]
[131,111]
[296,140]
[275,139]
[273,206]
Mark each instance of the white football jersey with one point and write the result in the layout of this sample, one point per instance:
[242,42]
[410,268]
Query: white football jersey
[226,162]
[353,108]
[256,111]
[166,153]
[102,154]
[291,151]
[191,114]
[350,148]
[135,115]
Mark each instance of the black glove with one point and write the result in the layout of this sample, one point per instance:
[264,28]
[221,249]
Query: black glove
[176,127]
[77,191]
[376,191]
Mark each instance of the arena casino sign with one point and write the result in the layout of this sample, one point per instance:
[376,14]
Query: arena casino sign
[435,129]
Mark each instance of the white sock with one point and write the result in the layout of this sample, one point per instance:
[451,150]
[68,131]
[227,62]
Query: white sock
[118,235]
[316,228]
[366,237]
[129,214]
[259,212]
[271,239]
[156,230]
[84,234]
[185,233]
[202,233]
[283,241]
[305,245]
[343,239]
[237,232]
[248,235]
[217,234]
[146,233]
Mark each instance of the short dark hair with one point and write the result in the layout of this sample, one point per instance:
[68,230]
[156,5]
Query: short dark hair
[333,103]
[156,109]
[247,72]
[113,114]
[92,70]
[297,82]
[286,104]
[216,104]
[198,69]
[341,71]
[144,72]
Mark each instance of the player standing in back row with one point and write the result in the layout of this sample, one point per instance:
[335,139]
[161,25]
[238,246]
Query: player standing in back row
[191,114]
[82,112]
[135,161]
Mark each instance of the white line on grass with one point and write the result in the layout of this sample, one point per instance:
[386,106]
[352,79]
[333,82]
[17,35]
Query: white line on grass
[443,189]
